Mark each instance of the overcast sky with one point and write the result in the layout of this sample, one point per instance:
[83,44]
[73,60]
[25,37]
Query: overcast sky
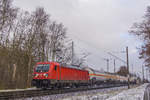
[97,26]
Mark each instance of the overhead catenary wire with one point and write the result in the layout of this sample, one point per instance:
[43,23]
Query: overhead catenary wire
[117,57]
[97,49]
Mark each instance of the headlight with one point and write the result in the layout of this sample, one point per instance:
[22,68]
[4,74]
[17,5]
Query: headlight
[46,75]
[36,75]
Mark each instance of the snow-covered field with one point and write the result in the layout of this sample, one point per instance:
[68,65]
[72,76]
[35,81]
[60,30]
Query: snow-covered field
[127,94]
[131,94]
[118,93]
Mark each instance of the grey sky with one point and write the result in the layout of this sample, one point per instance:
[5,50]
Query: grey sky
[97,26]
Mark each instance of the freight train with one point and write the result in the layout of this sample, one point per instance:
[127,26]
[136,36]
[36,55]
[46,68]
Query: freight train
[56,75]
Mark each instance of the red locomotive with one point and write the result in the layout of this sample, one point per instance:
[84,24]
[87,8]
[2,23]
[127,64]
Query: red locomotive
[52,74]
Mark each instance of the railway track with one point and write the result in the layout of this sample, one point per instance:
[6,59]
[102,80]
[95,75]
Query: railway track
[11,95]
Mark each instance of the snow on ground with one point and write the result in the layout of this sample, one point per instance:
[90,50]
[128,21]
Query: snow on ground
[147,93]
[127,94]
[131,94]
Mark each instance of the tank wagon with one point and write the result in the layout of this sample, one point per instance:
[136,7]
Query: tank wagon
[99,77]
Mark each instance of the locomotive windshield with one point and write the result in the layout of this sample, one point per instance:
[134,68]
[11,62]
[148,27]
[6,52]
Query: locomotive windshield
[42,68]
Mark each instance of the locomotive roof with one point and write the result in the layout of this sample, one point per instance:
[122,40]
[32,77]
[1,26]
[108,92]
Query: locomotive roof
[94,70]
[71,66]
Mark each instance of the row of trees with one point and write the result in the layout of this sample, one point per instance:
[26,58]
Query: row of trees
[27,38]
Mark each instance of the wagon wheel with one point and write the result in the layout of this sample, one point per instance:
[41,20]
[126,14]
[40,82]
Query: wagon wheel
[93,81]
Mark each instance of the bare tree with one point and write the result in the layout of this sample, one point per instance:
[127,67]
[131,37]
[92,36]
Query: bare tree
[81,60]
[123,71]
[41,31]
[58,34]
[8,14]
[142,30]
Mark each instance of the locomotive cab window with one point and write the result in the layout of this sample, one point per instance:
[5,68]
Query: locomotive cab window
[42,68]
[55,68]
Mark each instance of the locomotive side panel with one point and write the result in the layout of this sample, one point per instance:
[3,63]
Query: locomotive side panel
[73,74]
